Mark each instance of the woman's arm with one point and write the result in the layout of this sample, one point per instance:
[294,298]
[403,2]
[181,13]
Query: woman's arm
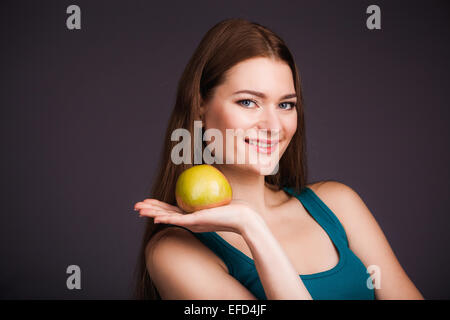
[182,268]
[277,275]
[368,242]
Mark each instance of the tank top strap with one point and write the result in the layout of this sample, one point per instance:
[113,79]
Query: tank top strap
[321,213]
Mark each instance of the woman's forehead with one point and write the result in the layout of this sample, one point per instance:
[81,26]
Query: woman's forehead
[269,80]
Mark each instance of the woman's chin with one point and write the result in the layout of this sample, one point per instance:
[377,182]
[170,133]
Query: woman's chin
[268,170]
[263,164]
[260,168]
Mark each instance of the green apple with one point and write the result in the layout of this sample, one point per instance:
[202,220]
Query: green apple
[202,187]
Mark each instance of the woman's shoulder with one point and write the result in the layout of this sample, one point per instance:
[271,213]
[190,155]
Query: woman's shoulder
[328,189]
[170,237]
[314,186]
[176,243]
[168,234]
[340,199]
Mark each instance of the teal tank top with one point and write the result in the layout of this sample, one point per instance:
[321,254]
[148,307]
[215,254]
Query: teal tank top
[346,281]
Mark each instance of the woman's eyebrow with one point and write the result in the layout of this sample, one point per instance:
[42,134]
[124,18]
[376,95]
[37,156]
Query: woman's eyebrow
[263,96]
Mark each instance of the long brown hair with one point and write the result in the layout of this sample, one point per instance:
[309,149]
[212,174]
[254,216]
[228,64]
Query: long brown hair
[224,45]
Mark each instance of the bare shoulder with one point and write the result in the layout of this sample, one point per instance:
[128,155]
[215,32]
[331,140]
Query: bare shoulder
[182,267]
[367,240]
[329,188]
[175,243]
[338,197]
[349,208]
[315,185]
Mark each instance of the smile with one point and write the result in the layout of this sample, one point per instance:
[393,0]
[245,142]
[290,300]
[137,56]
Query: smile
[262,146]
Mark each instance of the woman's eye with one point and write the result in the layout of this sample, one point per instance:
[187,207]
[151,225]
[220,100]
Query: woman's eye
[245,103]
[290,105]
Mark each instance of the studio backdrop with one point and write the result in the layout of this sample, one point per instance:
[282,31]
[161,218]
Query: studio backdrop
[87,88]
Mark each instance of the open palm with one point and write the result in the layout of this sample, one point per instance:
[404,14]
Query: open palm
[231,217]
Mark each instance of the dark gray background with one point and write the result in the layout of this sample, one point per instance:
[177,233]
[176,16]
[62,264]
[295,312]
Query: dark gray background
[83,114]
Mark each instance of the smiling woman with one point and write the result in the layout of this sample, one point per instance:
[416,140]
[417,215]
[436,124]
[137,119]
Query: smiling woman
[276,239]
[234,55]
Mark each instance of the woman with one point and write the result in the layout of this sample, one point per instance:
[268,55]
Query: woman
[279,238]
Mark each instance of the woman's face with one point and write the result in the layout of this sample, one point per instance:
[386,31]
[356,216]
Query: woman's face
[263,121]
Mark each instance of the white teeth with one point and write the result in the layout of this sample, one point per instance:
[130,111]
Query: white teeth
[261,144]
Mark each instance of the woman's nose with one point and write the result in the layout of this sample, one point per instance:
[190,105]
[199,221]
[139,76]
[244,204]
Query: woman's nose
[269,119]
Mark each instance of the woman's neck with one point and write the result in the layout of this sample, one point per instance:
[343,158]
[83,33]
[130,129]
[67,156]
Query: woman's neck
[251,187]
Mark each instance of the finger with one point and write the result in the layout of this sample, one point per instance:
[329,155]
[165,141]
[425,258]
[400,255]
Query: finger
[161,204]
[148,205]
[178,219]
[156,213]
[144,205]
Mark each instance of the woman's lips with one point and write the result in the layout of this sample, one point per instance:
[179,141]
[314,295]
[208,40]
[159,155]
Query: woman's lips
[263,145]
